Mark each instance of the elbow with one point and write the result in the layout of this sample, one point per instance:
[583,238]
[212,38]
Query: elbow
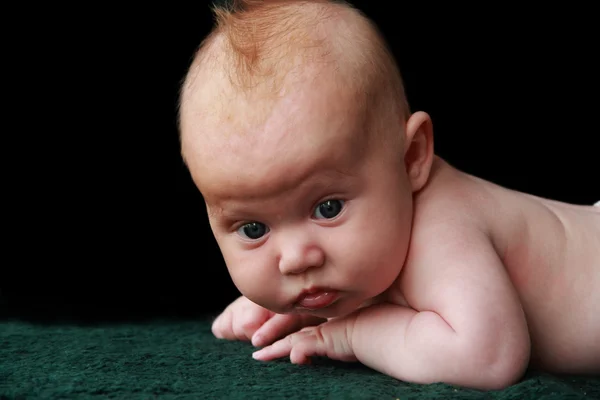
[501,364]
[504,372]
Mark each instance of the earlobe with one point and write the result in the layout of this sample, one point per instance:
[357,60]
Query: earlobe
[418,150]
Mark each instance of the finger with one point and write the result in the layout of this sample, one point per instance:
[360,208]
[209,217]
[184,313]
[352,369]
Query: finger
[221,326]
[315,344]
[279,349]
[275,328]
[280,325]
[247,322]
[309,347]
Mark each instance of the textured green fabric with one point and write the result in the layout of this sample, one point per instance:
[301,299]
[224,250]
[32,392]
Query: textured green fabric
[182,360]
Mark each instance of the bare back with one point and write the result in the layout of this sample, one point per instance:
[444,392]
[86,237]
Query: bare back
[551,252]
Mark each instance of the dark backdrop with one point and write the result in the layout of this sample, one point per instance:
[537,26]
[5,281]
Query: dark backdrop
[101,217]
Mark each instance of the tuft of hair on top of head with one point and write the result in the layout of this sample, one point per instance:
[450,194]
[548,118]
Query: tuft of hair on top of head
[256,43]
[264,38]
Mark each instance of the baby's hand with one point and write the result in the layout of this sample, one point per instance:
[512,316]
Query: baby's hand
[330,339]
[247,321]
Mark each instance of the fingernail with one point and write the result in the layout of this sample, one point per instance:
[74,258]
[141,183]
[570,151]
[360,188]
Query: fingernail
[256,355]
[256,340]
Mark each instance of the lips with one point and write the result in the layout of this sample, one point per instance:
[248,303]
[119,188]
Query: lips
[315,299]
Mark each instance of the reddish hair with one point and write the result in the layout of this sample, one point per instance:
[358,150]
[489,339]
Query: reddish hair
[259,42]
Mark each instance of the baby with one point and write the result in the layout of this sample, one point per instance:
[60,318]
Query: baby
[348,237]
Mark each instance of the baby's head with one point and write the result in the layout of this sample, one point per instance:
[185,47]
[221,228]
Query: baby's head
[296,130]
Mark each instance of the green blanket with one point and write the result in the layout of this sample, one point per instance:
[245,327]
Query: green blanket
[182,360]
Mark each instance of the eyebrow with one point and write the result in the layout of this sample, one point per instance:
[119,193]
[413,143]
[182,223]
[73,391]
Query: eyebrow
[323,181]
[214,211]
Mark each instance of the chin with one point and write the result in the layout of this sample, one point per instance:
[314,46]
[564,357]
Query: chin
[335,310]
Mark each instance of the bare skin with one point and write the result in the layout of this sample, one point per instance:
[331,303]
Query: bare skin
[493,281]
[549,252]
[437,276]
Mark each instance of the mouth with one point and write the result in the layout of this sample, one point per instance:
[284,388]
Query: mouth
[316,298]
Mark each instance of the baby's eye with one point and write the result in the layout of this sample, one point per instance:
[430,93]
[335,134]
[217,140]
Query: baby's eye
[329,209]
[253,230]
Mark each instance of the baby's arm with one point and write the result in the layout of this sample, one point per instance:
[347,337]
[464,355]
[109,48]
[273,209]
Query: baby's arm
[470,330]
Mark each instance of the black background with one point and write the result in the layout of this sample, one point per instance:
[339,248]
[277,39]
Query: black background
[101,219]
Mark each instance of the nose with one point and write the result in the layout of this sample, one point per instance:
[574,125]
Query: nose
[299,254]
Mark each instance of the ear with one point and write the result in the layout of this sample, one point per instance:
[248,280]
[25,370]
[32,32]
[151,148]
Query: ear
[418,149]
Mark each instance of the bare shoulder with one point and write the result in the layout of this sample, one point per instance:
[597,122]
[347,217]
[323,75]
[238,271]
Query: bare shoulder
[452,242]
[496,256]
[453,269]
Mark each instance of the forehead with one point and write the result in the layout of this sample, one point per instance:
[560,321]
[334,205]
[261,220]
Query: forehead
[308,129]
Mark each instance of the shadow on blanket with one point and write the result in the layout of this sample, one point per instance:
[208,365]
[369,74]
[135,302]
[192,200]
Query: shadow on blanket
[170,359]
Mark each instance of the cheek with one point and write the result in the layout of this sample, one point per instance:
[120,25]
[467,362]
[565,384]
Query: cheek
[251,271]
[374,241]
